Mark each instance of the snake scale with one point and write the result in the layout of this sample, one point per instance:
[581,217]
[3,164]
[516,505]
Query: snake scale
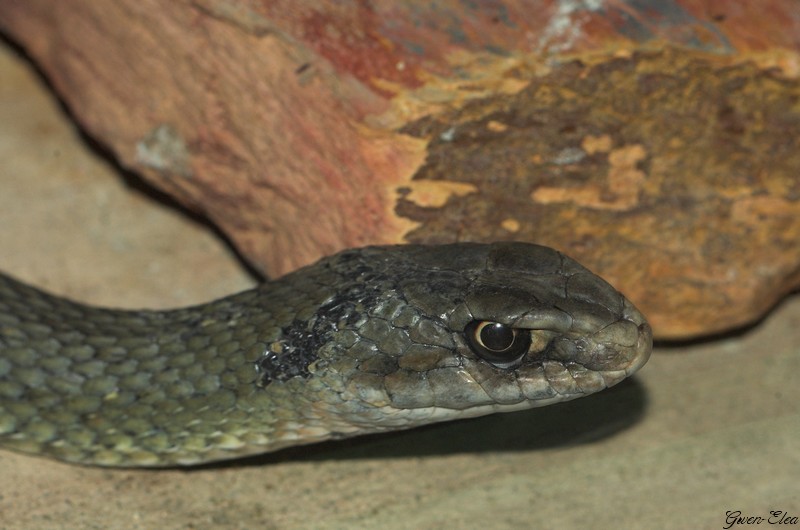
[368,340]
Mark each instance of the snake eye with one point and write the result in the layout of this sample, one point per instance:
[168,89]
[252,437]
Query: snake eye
[496,343]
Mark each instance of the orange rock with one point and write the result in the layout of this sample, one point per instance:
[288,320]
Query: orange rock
[658,147]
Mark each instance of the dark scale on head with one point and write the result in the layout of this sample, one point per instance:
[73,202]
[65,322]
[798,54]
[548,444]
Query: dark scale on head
[301,340]
[298,352]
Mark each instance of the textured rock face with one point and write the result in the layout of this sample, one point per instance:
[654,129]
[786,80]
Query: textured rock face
[302,128]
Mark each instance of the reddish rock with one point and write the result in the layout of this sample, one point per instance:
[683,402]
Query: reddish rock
[657,144]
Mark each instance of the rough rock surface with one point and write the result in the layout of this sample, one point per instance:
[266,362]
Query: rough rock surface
[657,144]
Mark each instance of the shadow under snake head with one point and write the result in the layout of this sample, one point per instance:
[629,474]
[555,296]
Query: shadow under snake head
[368,340]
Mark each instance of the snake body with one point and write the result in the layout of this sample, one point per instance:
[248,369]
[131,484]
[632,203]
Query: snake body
[368,340]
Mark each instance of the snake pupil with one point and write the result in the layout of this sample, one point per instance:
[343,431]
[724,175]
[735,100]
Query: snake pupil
[496,343]
[496,336]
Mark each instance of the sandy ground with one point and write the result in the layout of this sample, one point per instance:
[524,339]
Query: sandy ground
[703,430]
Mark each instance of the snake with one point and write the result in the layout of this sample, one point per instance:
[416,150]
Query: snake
[368,340]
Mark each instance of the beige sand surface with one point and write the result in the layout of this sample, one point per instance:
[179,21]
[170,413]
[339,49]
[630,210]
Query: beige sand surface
[703,430]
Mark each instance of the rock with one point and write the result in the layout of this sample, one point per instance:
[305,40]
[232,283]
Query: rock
[660,148]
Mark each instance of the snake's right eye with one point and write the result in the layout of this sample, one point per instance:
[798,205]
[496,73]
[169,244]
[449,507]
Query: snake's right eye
[497,343]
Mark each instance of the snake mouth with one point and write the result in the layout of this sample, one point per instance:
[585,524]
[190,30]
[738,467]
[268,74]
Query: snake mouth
[573,358]
[475,390]
[567,363]
[568,368]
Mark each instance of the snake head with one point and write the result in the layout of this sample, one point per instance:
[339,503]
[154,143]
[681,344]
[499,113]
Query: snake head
[468,329]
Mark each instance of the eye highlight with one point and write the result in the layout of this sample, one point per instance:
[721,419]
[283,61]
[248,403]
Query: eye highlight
[496,343]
